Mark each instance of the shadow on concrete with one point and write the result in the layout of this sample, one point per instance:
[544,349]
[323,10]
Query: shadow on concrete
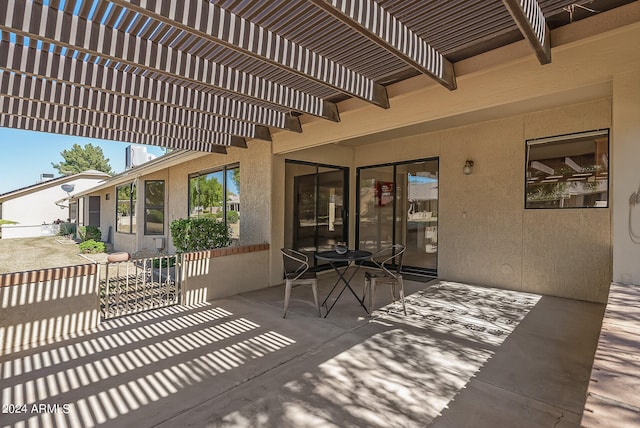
[236,362]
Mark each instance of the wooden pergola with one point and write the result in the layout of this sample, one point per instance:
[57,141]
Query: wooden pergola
[205,75]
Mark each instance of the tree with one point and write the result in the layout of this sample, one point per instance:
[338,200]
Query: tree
[206,192]
[79,159]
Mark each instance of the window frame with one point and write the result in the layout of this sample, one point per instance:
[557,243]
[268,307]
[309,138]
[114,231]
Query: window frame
[568,138]
[132,206]
[148,207]
[224,169]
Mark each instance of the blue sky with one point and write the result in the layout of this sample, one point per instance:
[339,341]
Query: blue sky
[24,155]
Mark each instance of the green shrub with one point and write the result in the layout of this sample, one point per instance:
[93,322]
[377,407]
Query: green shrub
[91,246]
[7,222]
[87,233]
[67,229]
[196,234]
[163,262]
[233,217]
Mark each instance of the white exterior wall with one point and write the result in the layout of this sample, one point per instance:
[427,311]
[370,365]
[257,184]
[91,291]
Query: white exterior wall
[39,207]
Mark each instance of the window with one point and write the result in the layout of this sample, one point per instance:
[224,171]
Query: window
[126,207]
[154,207]
[568,171]
[94,211]
[216,194]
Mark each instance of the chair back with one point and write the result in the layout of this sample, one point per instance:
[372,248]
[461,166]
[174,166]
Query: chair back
[295,263]
[390,259]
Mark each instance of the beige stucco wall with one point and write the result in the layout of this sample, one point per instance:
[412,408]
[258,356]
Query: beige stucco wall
[278,201]
[255,183]
[568,253]
[255,186]
[40,305]
[485,234]
[503,98]
[626,176]
[210,276]
[107,213]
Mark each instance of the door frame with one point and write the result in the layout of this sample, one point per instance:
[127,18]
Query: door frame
[412,270]
[345,203]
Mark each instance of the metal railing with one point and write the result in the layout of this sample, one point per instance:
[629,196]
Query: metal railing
[139,285]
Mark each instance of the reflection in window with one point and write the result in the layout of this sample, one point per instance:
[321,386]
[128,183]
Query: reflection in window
[126,207]
[216,194]
[154,207]
[569,171]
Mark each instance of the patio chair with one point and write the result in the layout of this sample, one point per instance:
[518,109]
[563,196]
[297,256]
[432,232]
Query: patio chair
[387,275]
[296,272]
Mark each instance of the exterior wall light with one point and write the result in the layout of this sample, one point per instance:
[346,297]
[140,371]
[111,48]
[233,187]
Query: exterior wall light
[468,164]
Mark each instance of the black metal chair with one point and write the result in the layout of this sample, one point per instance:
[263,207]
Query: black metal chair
[296,272]
[386,275]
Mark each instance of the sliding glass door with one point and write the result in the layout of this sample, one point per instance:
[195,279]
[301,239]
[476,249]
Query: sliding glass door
[398,203]
[316,214]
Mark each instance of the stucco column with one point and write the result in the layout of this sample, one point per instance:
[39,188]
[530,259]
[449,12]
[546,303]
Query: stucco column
[625,149]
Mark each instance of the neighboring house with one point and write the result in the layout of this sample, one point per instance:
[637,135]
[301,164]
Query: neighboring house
[544,208]
[34,208]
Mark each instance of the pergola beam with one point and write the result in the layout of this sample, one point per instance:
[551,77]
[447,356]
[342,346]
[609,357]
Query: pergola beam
[376,24]
[53,26]
[45,97]
[210,22]
[532,24]
[56,127]
[124,87]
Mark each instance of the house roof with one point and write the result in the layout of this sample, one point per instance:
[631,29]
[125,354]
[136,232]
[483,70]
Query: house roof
[205,75]
[53,182]
[157,164]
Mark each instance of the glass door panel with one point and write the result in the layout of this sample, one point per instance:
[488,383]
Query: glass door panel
[398,204]
[330,209]
[315,216]
[417,220]
[376,208]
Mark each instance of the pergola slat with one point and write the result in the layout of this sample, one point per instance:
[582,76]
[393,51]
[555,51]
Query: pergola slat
[51,111]
[212,23]
[43,23]
[62,94]
[32,124]
[202,72]
[532,24]
[376,24]
[22,59]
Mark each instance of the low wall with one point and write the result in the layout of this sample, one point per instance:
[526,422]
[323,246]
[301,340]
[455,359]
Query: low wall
[9,231]
[45,304]
[612,395]
[36,306]
[224,272]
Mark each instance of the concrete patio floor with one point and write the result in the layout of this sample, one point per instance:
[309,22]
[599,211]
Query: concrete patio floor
[463,356]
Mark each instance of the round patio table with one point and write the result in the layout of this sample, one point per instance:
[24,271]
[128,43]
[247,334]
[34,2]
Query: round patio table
[337,260]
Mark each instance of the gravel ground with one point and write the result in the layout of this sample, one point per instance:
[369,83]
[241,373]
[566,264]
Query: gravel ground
[23,254]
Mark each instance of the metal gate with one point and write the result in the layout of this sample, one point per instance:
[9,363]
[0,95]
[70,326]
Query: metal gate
[139,285]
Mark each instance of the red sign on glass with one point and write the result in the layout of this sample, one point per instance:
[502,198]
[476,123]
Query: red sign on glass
[384,193]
